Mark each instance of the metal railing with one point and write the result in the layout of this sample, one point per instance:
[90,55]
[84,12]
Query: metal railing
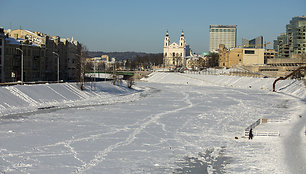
[262,133]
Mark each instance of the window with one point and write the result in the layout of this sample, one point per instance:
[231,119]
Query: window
[249,51]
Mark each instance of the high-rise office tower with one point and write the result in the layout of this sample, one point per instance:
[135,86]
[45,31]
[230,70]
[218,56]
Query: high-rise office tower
[222,34]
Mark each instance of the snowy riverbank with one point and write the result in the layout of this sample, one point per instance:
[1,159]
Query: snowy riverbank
[29,98]
[20,99]
[290,87]
[170,127]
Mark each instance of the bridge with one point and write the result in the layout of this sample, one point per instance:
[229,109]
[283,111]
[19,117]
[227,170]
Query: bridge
[130,73]
[108,74]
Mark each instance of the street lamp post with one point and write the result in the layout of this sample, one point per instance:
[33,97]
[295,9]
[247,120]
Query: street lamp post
[57,66]
[21,64]
[82,70]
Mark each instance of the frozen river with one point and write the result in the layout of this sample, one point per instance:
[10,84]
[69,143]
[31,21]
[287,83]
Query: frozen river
[170,129]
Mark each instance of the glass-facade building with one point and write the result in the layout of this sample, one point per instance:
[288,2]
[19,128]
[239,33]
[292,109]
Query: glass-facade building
[253,43]
[222,34]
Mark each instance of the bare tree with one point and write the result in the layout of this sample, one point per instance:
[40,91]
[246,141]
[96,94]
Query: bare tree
[81,66]
[213,59]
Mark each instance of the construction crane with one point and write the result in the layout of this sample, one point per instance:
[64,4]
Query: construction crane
[265,45]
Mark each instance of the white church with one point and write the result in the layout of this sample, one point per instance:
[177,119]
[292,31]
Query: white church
[175,54]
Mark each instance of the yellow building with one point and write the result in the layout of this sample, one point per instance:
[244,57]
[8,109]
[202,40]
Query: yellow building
[253,56]
[106,57]
[240,56]
[33,37]
[230,58]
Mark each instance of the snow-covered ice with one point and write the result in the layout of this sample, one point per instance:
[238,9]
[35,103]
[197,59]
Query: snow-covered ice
[173,123]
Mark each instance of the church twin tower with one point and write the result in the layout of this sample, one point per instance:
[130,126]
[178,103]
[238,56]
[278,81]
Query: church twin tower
[175,54]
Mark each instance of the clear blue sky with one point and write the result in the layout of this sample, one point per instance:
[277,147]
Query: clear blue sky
[140,25]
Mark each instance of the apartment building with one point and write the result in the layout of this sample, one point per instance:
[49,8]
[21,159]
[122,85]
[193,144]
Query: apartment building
[293,41]
[46,58]
[2,40]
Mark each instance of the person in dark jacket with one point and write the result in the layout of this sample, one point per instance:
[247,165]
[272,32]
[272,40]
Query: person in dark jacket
[251,134]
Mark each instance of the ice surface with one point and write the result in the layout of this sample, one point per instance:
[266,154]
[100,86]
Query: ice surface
[162,126]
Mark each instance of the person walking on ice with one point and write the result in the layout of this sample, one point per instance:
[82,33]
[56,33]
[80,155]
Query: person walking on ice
[251,134]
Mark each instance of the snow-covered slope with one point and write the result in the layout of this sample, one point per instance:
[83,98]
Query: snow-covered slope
[28,98]
[291,87]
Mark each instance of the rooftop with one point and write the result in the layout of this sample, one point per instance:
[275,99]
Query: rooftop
[223,26]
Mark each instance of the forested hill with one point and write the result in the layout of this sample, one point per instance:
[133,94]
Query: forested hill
[118,55]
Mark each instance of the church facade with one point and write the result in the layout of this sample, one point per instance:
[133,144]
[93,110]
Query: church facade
[174,54]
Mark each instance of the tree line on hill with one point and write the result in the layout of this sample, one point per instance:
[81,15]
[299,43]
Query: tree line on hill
[117,55]
[145,61]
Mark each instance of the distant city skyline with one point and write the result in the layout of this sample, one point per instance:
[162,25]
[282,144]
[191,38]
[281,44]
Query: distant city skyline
[141,25]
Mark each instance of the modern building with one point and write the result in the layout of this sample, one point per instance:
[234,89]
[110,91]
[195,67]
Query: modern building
[174,54]
[280,67]
[293,41]
[259,61]
[222,34]
[269,54]
[240,56]
[281,46]
[253,43]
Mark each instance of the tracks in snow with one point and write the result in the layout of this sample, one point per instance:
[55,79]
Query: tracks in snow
[101,155]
